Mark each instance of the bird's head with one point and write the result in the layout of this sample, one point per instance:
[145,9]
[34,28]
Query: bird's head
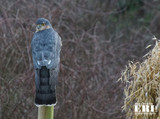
[42,24]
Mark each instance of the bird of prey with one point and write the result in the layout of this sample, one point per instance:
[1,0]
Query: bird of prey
[46,46]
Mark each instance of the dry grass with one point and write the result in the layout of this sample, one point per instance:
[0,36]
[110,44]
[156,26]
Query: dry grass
[143,83]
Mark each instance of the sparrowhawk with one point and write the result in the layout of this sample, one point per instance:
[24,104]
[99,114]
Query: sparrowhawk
[46,46]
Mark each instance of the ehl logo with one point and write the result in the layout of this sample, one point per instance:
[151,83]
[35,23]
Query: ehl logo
[144,108]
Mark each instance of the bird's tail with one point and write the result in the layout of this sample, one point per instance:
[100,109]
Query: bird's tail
[45,95]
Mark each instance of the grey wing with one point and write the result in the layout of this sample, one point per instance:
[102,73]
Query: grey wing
[37,80]
[58,49]
[36,66]
[56,52]
[33,46]
[54,76]
[54,72]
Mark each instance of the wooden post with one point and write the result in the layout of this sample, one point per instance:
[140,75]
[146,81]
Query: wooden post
[45,112]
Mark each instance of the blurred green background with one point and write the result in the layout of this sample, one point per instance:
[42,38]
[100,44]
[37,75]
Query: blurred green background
[98,37]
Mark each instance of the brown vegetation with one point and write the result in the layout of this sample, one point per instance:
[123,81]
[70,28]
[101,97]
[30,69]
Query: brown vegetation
[143,84]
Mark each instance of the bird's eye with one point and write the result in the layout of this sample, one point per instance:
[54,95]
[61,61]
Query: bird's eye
[43,24]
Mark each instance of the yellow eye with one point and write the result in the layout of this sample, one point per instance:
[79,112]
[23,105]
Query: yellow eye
[43,24]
